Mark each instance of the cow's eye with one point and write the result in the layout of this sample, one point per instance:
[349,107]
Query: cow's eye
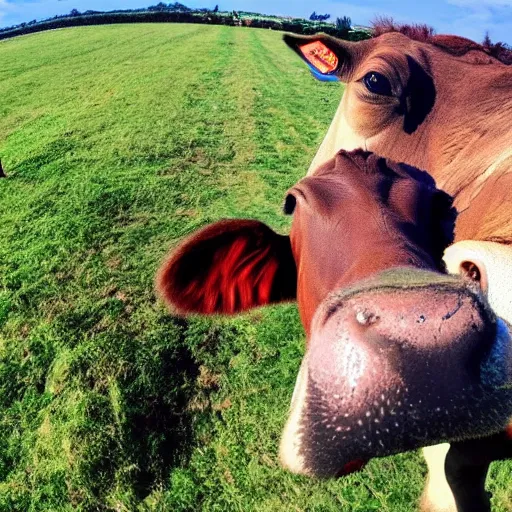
[289,204]
[377,83]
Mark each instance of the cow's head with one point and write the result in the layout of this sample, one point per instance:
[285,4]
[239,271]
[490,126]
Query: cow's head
[399,354]
[410,100]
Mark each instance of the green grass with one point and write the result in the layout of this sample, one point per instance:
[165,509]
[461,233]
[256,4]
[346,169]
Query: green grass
[119,140]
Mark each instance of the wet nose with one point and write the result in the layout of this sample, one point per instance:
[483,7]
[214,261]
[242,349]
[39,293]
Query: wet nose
[393,335]
[393,368]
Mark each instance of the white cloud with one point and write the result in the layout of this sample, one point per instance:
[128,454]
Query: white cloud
[13,13]
[476,17]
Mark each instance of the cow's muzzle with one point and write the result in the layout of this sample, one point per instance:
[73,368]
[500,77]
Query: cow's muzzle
[408,359]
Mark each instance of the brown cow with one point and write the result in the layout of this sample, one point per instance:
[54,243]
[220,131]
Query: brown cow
[399,354]
[442,103]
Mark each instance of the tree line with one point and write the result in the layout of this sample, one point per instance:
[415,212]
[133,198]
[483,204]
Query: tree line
[179,13]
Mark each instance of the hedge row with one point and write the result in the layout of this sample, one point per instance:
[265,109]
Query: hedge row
[297,26]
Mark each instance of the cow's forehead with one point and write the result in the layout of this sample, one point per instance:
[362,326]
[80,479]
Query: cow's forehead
[366,167]
[360,185]
[396,40]
[393,44]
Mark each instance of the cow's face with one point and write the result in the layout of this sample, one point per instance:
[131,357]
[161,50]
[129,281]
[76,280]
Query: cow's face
[399,355]
[390,88]
[405,99]
[358,215]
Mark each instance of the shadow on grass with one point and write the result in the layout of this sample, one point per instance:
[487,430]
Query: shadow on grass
[134,425]
[159,420]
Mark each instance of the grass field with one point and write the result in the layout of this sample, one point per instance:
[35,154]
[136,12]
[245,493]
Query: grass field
[119,140]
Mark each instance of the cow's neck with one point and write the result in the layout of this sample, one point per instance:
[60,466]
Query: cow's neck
[471,133]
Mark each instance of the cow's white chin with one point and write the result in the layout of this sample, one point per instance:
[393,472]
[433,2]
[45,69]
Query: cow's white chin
[496,374]
[289,450]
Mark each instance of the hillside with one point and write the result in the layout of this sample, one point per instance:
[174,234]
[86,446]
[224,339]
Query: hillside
[117,141]
[179,13]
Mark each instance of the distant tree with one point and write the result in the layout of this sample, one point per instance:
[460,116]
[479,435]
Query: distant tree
[176,6]
[216,9]
[74,12]
[498,50]
[487,43]
[158,7]
[344,24]
[319,17]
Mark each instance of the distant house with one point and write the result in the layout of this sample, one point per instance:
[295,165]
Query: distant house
[361,28]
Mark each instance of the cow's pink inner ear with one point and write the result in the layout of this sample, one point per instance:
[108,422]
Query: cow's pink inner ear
[240,277]
[228,267]
[320,56]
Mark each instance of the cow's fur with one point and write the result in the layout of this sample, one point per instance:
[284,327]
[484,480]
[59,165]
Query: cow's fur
[391,339]
[454,45]
[462,138]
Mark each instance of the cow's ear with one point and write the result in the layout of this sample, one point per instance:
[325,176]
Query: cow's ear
[328,58]
[476,272]
[465,259]
[228,267]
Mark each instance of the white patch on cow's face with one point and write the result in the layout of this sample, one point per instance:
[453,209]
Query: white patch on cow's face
[339,136]
[289,450]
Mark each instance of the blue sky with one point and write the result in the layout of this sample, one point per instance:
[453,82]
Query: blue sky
[469,18]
